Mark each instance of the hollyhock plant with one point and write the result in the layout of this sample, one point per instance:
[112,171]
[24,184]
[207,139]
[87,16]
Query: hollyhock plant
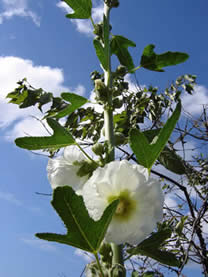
[63,170]
[141,200]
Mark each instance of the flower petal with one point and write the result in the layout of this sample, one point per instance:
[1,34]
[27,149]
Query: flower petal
[117,179]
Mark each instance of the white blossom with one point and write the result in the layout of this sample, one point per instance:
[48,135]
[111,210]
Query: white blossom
[141,200]
[63,170]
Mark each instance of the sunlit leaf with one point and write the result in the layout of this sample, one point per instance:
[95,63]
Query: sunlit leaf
[82,8]
[76,101]
[101,54]
[60,138]
[119,47]
[147,153]
[82,231]
[152,61]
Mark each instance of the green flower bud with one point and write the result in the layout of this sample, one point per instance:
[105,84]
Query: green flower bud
[98,30]
[121,70]
[98,149]
[117,103]
[119,138]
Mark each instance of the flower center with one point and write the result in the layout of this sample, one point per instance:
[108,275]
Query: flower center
[125,207]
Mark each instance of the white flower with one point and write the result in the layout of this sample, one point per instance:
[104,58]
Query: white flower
[141,200]
[62,171]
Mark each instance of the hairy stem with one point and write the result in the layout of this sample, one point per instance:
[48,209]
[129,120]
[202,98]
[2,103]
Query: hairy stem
[99,265]
[108,116]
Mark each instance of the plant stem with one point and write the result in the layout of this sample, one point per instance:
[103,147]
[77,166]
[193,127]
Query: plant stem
[85,153]
[99,265]
[108,117]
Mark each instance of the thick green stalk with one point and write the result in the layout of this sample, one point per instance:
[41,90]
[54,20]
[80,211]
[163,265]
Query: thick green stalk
[108,109]
[108,118]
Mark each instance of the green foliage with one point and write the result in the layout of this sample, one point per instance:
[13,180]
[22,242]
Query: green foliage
[76,101]
[100,52]
[150,248]
[152,61]
[82,231]
[168,157]
[119,47]
[82,8]
[60,138]
[25,96]
[146,153]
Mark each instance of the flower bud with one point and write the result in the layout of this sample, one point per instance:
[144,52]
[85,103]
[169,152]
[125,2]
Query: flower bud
[119,138]
[121,70]
[98,149]
[117,103]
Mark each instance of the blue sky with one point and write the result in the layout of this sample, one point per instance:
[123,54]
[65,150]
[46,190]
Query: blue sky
[54,53]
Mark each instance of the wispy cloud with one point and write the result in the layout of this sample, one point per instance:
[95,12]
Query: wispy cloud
[7,196]
[193,104]
[86,256]
[46,77]
[20,8]
[83,25]
[41,244]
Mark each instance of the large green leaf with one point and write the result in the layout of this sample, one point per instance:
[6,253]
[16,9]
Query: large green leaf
[82,231]
[119,47]
[152,61]
[76,101]
[146,153]
[168,157]
[101,53]
[60,138]
[82,8]
[150,248]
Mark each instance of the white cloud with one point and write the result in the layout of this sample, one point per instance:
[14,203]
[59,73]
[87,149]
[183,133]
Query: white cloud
[7,196]
[84,25]
[50,79]
[20,8]
[86,256]
[193,104]
[37,243]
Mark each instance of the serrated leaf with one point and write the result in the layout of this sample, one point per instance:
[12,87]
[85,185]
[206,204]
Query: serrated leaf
[146,153]
[82,231]
[163,257]
[76,101]
[168,158]
[152,61]
[154,241]
[101,53]
[150,248]
[119,47]
[82,8]
[60,138]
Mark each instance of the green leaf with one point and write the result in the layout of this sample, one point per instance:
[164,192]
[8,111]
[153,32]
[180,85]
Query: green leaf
[82,8]
[146,153]
[163,257]
[154,241]
[168,157]
[82,231]
[180,225]
[101,53]
[119,47]
[76,101]
[152,61]
[150,248]
[60,138]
